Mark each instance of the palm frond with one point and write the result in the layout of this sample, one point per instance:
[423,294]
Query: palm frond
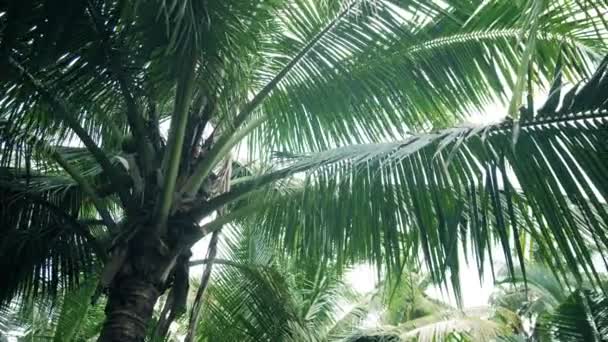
[45,245]
[28,319]
[74,311]
[350,321]
[262,297]
[476,329]
[255,301]
[434,192]
[447,325]
[72,65]
[540,283]
[405,299]
[70,317]
[582,317]
[412,66]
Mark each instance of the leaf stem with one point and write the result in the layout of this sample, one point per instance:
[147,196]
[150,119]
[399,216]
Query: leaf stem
[87,188]
[172,158]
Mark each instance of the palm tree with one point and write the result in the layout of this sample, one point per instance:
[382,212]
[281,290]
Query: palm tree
[257,295]
[550,305]
[553,308]
[409,314]
[583,316]
[351,113]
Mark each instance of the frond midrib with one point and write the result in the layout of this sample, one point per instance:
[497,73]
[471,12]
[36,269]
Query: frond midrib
[480,35]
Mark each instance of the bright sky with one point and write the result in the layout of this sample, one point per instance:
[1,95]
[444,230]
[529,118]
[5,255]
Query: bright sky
[475,293]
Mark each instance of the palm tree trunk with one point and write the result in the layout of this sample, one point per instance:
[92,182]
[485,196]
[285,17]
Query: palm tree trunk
[129,310]
[135,288]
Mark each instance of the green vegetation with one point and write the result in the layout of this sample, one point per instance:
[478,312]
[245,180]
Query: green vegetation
[329,133]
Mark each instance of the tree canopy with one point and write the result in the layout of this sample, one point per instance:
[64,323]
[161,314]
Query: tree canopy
[121,122]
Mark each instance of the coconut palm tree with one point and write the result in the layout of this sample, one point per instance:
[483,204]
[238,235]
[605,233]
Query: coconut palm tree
[547,302]
[351,114]
[553,308]
[409,314]
[257,295]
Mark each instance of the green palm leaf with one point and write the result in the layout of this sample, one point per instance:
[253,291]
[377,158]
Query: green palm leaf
[264,299]
[582,317]
[386,71]
[87,86]
[46,244]
[436,189]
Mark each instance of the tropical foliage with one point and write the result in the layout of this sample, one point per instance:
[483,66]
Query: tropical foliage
[409,314]
[256,296]
[261,297]
[540,308]
[68,318]
[542,300]
[352,116]
[582,317]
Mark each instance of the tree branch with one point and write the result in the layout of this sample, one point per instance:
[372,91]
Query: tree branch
[243,189]
[198,301]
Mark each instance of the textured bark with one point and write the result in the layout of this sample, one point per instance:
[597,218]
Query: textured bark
[135,289]
[129,309]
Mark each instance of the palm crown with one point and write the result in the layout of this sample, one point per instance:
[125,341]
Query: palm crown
[352,114]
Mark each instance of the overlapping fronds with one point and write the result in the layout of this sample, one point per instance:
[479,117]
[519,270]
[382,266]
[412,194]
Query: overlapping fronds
[392,67]
[77,318]
[50,235]
[71,317]
[474,328]
[539,292]
[404,299]
[582,317]
[59,47]
[262,298]
[442,325]
[437,192]
[309,75]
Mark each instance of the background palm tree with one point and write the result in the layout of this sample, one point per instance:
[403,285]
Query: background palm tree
[409,314]
[547,302]
[540,307]
[582,317]
[363,100]
[257,295]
